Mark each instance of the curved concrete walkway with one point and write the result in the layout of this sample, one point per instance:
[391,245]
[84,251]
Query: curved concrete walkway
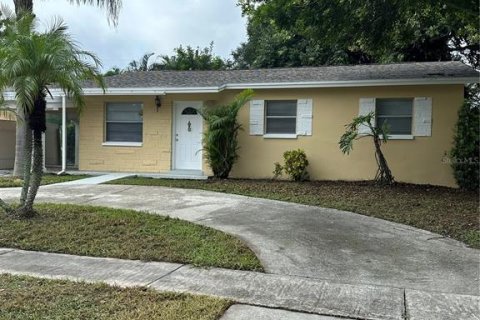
[292,239]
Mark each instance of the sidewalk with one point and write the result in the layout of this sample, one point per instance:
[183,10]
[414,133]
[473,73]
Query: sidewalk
[257,289]
[95,180]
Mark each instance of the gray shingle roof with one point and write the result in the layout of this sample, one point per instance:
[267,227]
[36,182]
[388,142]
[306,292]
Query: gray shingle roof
[195,79]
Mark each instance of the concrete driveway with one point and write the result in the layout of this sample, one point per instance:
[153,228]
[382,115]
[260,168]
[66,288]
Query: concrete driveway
[300,240]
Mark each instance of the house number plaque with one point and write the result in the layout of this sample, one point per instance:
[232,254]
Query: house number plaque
[189,126]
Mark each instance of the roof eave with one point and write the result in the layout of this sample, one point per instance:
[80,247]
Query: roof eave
[282,85]
[353,83]
[269,85]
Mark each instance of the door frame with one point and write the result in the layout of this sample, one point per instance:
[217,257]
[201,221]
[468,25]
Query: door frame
[176,105]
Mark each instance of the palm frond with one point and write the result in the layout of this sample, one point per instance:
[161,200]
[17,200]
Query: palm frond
[112,7]
[31,61]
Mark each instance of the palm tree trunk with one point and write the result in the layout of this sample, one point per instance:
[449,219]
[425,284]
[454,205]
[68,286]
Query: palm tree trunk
[23,6]
[37,170]
[36,125]
[27,162]
[18,167]
[21,126]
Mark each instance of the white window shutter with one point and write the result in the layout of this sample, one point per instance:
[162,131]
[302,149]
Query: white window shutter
[257,115]
[366,106]
[304,117]
[422,116]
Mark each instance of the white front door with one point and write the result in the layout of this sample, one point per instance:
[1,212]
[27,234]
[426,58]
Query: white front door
[187,135]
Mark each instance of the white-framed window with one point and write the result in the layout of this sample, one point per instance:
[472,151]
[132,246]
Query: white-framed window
[407,117]
[281,119]
[123,122]
[396,113]
[280,116]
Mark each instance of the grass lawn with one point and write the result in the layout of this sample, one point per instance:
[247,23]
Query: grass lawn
[10,182]
[30,298]
[126,234]
[450,212]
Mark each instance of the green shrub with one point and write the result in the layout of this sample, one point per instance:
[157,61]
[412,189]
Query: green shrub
[295,165]
[220,139]
[464,155]
[278,170]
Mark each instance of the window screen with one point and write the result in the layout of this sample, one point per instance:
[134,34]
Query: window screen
[396,114]
[124,122]
[281,116]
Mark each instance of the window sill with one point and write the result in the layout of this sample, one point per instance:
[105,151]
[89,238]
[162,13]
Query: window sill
[400,137]
[279,136]
[122,144]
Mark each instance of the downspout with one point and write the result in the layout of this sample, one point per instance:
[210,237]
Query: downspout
[64,136]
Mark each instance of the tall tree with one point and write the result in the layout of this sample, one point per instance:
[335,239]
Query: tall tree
[113,72]
[190,58]
[143,64]
[29,63]
[317,32]
[26,6]
[184,58]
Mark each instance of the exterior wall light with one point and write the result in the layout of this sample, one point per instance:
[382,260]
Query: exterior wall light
[158,102]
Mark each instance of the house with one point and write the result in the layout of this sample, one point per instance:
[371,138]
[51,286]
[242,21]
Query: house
[149,121]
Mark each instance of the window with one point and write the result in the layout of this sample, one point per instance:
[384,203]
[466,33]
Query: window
[124,122]
[396,113]
[189,111]
[281,116]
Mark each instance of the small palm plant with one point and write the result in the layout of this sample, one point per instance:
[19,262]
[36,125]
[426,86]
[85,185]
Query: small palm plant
[31,62]
[220,139]
[379,134]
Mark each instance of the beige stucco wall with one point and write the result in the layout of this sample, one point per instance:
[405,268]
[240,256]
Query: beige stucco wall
[7,116]
[155,153]
[416,161]
[7,144]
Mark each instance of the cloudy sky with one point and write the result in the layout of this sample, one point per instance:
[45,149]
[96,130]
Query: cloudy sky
[149,26]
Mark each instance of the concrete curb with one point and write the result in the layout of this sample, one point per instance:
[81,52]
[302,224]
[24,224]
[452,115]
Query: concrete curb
[267,290]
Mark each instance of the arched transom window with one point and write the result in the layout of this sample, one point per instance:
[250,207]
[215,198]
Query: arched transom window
[189,110]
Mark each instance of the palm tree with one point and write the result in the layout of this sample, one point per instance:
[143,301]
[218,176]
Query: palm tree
[220,140]
[30,62]
[142,64]
[26,6]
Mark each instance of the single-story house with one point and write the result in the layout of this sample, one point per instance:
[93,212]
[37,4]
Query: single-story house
[149,121]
